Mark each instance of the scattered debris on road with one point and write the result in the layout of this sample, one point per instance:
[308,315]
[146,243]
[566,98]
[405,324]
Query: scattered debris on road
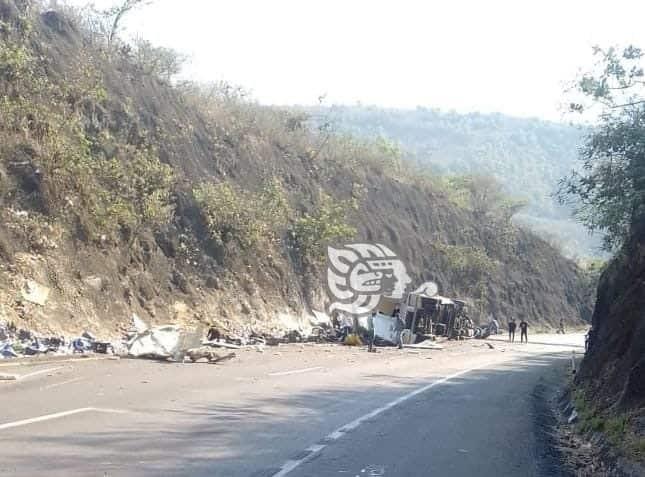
[197,354]
[221,344]
[423,345]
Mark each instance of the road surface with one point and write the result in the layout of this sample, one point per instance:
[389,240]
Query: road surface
[294,410]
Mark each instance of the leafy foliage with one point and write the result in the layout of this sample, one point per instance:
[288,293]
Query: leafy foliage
[105,195]
[327,223]
[471,263]
[609,190]
[228,213]
[244,218]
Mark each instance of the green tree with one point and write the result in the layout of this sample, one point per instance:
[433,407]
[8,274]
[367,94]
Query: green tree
[228,213]
[608,192]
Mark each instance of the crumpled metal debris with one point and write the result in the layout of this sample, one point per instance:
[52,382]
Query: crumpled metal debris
[36,347]
[82,345]
[161,342]
[7,351]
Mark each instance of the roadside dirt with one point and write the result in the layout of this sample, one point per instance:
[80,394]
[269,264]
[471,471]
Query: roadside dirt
[568,452]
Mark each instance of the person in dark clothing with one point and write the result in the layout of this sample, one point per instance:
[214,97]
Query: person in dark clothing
[524,327]
[511,330]
[588,340]
[213,334]
[371,335]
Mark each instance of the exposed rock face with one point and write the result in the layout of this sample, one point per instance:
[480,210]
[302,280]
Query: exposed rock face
[614,367]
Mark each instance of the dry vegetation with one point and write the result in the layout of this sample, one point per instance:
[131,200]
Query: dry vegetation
[195,194]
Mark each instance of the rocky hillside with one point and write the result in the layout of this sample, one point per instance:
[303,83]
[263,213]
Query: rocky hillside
[122,193]
[614,367]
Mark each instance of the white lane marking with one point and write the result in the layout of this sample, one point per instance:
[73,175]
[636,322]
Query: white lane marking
[81,359]
[295,371]
[57,415]
[69,381]
[42,371]
[315,448]
[290,465]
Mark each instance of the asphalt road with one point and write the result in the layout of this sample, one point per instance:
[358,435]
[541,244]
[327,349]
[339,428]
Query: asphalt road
[295,410]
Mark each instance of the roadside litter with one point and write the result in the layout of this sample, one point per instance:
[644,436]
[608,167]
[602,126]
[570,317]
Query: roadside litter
[221,344]
[7,351]
[20,343]
[197,354]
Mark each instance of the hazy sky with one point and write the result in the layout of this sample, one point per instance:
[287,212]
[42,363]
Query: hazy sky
[514,57]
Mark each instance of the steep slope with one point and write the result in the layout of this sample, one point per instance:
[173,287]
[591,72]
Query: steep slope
[614,366]
[528,156]
[122,194]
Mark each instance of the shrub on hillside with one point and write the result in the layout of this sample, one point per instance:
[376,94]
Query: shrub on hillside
[313,231]
[163,63]
[233,215]
[471,263]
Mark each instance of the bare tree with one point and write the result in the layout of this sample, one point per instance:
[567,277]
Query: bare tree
[116,14]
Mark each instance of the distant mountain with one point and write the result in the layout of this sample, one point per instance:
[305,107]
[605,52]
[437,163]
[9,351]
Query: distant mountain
[527,156]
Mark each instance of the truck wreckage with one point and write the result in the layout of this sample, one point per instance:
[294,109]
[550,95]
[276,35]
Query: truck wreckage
[422,315]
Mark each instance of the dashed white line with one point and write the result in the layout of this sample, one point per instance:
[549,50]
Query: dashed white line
[69,381]
[81,359]
[290,465]
[42,371]
[315,448]
[58,415]
[295,371]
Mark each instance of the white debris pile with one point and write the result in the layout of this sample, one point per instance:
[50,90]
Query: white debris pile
[160,342]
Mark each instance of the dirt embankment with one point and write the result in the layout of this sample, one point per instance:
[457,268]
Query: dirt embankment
[175,272]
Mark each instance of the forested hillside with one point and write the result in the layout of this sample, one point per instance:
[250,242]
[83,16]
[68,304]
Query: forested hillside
[528,157]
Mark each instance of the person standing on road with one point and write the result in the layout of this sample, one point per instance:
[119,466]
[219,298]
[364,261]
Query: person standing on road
[493,325]
[511,330]
[370,332]
[346,325]
[524,327]
[399,326]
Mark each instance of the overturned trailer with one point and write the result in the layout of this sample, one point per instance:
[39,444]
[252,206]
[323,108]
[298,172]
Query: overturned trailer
[426,316]
[421,315]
